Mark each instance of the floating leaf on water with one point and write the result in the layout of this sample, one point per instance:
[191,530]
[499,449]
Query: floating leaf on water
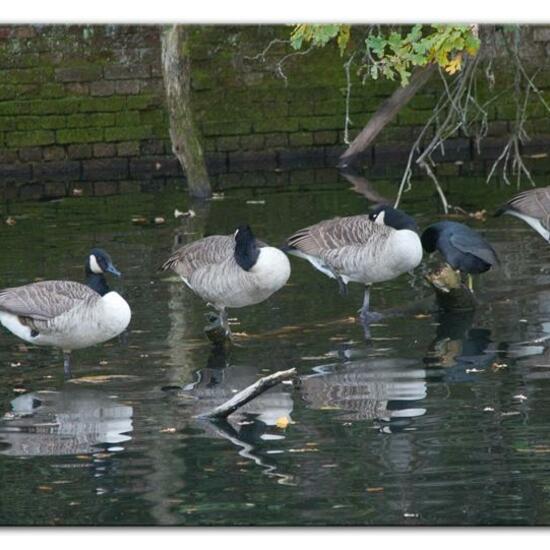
[375,489]
[44,488]
[102,455]
[101,378]
[167,430]
[497,366]
[159,220]
[282,422]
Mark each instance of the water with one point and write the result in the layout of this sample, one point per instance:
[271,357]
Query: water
[439,420]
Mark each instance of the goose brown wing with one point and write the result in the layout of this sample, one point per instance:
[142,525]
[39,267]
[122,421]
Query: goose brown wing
[534,203]
[337,233]
[207,251]
[44,300]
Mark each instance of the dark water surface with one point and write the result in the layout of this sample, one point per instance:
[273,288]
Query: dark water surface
[438,420]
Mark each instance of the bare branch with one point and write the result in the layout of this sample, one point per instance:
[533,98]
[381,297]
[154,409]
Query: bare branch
[249,393]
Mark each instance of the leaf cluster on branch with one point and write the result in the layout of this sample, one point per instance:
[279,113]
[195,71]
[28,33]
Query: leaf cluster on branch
[393,53]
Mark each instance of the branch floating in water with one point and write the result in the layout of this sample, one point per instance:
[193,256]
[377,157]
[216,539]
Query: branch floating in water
[249,393]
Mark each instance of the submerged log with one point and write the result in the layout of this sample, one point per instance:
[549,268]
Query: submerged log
[249,393]
[451,293]
[186,144]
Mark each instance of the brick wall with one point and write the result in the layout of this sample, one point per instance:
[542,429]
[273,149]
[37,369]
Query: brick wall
[82,110]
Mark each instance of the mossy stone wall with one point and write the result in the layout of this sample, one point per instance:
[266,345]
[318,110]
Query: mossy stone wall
[82,110]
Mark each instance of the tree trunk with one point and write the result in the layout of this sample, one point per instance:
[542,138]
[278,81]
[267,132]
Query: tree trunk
[385,114]
[176,69]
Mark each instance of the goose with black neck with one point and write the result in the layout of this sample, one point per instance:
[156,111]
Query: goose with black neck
[231,271]
[67,314]
[369,248]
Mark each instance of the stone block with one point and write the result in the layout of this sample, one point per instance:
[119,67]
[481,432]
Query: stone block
[126,71]
[103,188]
[127,87]
[13,173]
[30,154]
[79,135]
[127,148]
[104,150]
[79,73]
[64,170]
[146,168]
[34,137]
[53,152]
[104,169]
[79,151]
[102,88]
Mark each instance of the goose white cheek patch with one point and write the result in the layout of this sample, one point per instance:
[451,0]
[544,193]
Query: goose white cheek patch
[380,218]
[94,266]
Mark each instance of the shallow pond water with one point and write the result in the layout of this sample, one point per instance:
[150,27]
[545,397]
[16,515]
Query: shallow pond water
[437,420]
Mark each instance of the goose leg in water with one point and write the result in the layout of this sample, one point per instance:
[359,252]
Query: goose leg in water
[342,287]
[365,315]
[67,364]
[225,322]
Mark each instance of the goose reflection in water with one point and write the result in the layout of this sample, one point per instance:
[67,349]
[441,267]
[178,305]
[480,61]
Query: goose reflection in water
[72,421]
[368,388]
[464,350]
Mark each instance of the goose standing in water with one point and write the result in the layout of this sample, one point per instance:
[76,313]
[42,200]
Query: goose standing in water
[231,271]
[533,207]
[364,249]
[462,248]
[66,314]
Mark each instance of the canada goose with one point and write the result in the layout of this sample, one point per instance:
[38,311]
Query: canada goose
[462,248]
[66,314]
[533,207]
[364,249]
[231,271]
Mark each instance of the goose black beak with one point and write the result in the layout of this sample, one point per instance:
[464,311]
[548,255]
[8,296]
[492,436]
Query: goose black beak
[112,269]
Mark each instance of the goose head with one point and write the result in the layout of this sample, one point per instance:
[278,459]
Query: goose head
[246,250]
[392,217]
[99,262]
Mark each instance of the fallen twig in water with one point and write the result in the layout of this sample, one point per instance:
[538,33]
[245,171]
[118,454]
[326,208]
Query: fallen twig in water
[249,393]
